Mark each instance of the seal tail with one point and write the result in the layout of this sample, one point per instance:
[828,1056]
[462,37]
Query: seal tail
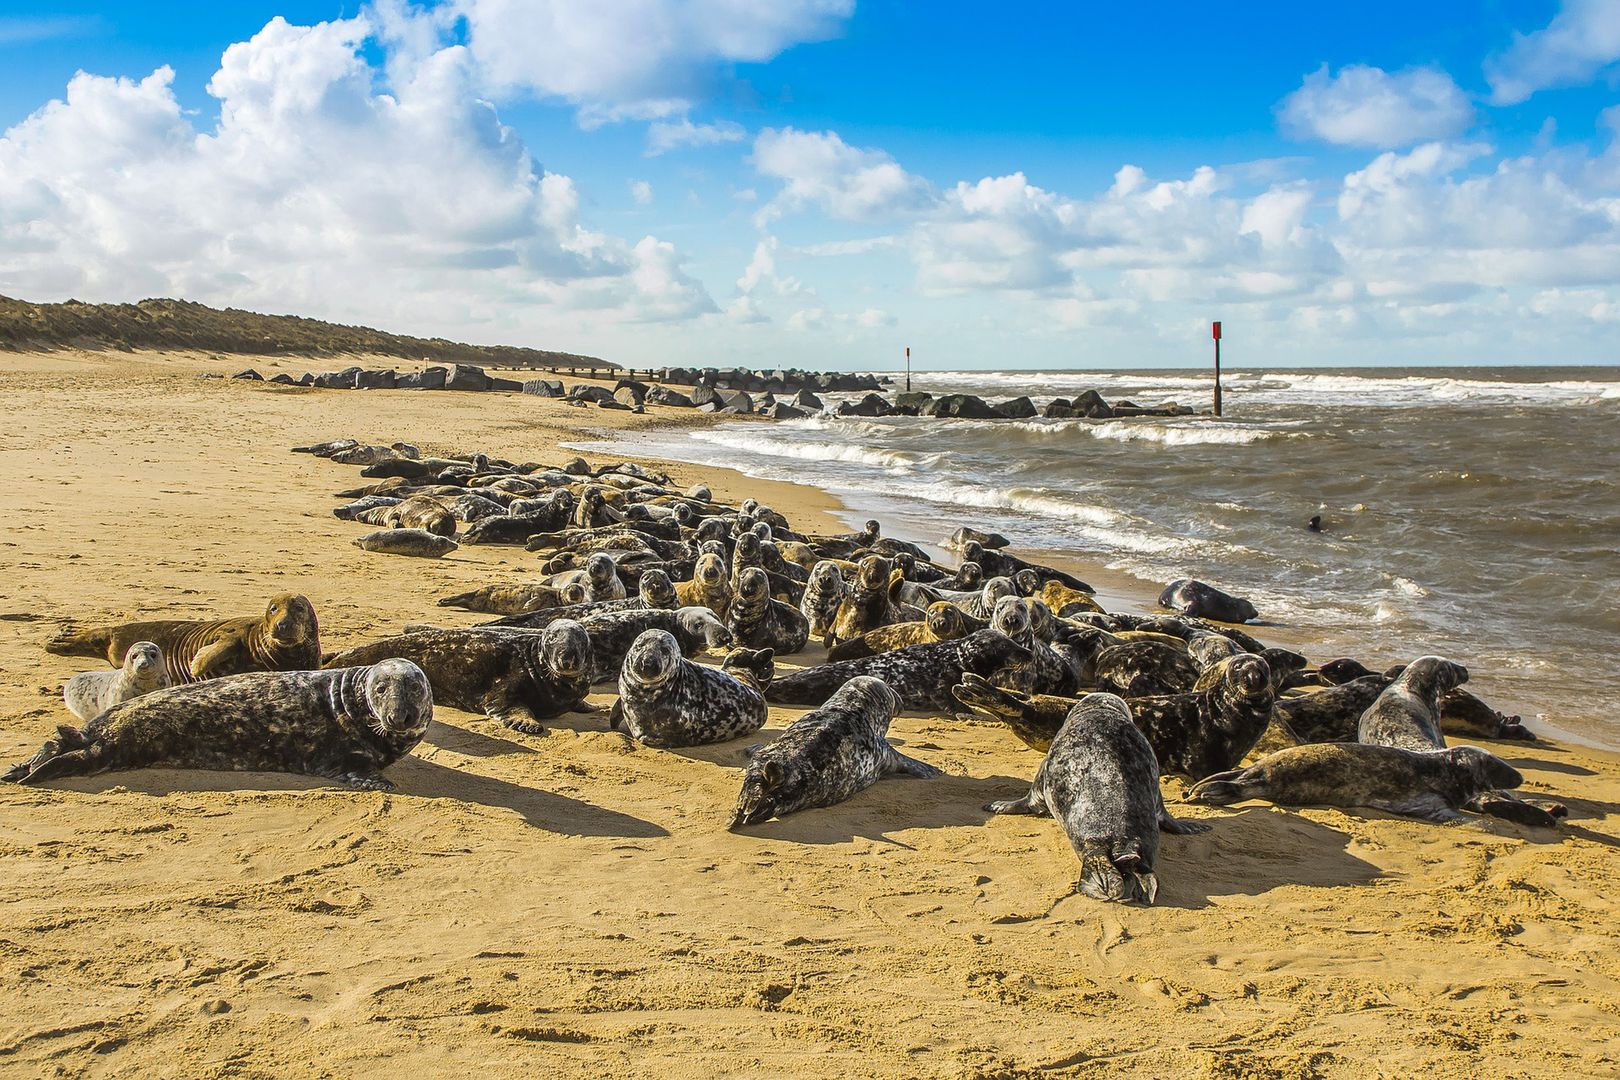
[853,649]
[71,753]
[1115,873]
[1222,789]
[980,694]
[73,642]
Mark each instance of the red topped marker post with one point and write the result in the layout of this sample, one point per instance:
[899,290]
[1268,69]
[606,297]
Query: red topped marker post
[1215,332]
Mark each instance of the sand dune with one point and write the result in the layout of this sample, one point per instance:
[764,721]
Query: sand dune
[573,901]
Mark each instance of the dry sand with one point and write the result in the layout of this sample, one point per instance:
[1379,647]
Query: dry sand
[574,902]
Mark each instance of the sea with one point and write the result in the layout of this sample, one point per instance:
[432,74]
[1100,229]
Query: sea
[1472,513]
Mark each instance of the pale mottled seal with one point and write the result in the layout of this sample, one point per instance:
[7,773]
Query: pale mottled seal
[1143,668]
[91,693]
[826,756]
[1034,718]
[1101,782]
[514,677]
[285,638]
[655,591]
[921,674]
[418,543]
[666,700]
[1197,734]
[1407,713]
[823,594]
[757,621]
[347,724]
[506,599]
[1428,784]
[1197,598]
[696,629]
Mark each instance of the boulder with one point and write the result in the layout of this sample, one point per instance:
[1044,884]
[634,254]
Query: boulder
[709,406]
[632,396]
[781,410]
[806,399]
[587,392]
[1019,408]
[337,380]
[512,386]
[306,379]
[543,387]
[1091,404]
[663,395]
[870,405]
[430,378]
[376,380]
[704,394]
[913,400]
[249,374]
[737,400]
[611,403]
[466,377]
[1059,410]
[963,406]
[284,379]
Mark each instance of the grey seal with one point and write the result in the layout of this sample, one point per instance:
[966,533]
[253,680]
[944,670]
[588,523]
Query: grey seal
[921,674]
[666,700]
[91,693]
[417,543]
[1197,598]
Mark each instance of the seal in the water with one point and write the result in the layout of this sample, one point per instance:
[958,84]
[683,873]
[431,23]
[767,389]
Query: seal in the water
[823,594]
[1101,782]
[1428,784]
[515,677]
[921,674]
[1034,718]
[1197,734]
[1191,597]
[826,756]
[418,543]
[91,693]
[709,586]
[666,700]
[960,538]
[945,622]
[285,638]
[347,724]
[757,621]
[1407,713]
[612,633]
[506,599]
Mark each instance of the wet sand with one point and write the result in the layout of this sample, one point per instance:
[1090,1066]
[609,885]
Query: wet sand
[574,901]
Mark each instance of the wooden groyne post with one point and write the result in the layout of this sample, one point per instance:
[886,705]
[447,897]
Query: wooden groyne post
[1215,330]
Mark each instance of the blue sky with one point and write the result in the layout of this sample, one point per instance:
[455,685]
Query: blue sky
[820,182]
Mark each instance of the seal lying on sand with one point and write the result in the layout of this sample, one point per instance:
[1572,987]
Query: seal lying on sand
[666,700]
[515,677]
[1407,713]
[1197,734]
[506,599]
[417,543]
[1427,784]
[1144,667]
[823,595]
[91,693]
[921,674]
[1101,782]
[758,621]
[1190,597]
[347,724]
[945,622]
[695,629]
[285,638]
[826,756]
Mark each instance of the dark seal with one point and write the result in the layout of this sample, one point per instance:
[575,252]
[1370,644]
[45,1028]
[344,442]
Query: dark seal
[1189,597]
[1205,732]
[922,675]
[757,621]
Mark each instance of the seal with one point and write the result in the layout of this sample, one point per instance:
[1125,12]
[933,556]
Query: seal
[757,621]
[708,587]
[285,638]
[1064,600]
[91,693]
[506,599]
[514,677]
[823,595]
[1045,672]
[417,512]
[921,674]
[666,700]
[352,511]
[1427,784]
[600,578]
[826,756]
[1282,662]
[959,539]
[1407,713]
[1331,714]
[1144,668]
[346,725]
[1034,718]
[1197,734]
[1190,597]
[418,543]
[517,528]
[944,622]
[695,629]
[1101,782]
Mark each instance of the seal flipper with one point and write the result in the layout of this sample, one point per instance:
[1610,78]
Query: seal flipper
[1113,872]
[1177,827]
[1510,807]
[368,781]
[1032,803]
[616,715]
[1429,807]
[1224,788]
[901,765]
[498,705]
[72,642]
[209,658]
[71,753]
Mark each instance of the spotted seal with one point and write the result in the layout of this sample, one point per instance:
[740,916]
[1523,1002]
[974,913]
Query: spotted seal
[1407,713]
[418,543]
[1034,718]
[944,622]
[1101,782]
[600,578]
[666,700]
[514,677]
[696,629]
[1143,668]
[1428,784]
[826,756]
[709,586]
[506,599]
[757,621]
[285,638]
[1197,734]
[347,724]
[90,693]
[823,595]
[921,674]
[1190,597]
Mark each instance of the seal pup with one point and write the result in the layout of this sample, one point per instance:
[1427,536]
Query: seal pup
[514,677]
[709,586]
[696,629]
[1101,782]
[823,595]
[91,693]
[826,756]
[1190,597]
[921,674]
[285,638]
[1407,713]
[666,700]
[418,543]
[757,621]
[1427,784]
[506,599]
[1197,734]
[347,724]
[1034,718]
[943,622]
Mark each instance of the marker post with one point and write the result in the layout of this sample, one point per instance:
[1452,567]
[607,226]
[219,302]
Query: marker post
[1215,329]
[908,369]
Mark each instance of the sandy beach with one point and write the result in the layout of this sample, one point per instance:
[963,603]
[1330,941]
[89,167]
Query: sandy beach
[574,901]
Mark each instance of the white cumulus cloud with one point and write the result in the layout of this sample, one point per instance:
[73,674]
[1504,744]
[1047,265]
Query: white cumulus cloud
[1582,40]
[820,169]
[1367,106]
[666,135]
